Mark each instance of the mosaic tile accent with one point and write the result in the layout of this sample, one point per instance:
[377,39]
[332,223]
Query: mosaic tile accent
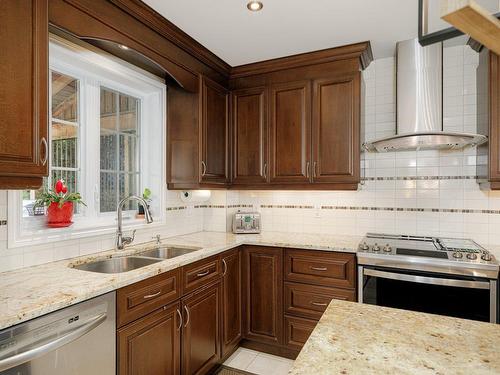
[176,208]
[286,206]
[3,222]
[419,178]
[401,209]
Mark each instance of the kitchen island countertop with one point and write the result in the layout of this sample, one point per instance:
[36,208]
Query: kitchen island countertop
[354,338]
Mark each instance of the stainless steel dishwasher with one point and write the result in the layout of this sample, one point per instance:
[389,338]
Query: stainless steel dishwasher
[77,340]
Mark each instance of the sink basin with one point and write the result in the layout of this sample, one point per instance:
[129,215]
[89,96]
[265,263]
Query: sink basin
[167,252]
[117,265]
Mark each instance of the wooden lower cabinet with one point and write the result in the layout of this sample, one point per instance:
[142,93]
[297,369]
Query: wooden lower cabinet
[201,348]
[231,301]
[151,344]
[297,331]
[263,294]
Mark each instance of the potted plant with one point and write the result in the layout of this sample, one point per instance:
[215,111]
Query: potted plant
[60,205]
[146,195]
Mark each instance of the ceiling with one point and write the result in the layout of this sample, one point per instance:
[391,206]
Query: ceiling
[287,27]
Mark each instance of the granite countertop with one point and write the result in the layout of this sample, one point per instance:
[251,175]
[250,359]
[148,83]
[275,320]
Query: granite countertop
[31,292]
[354,338]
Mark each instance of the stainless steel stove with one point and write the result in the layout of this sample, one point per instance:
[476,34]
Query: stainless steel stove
[429,274]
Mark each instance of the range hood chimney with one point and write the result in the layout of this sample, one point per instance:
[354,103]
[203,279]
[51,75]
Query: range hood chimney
[420,103]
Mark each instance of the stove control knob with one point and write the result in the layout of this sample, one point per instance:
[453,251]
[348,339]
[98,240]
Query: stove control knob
[457,255]
[387,248]
[486,257]
[364,246]
[471,256]
[376,247]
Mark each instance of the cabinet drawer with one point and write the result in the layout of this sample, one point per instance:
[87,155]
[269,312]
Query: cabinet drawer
[139,299]
[297,331]
[321,268]
[200,273]
[311,301]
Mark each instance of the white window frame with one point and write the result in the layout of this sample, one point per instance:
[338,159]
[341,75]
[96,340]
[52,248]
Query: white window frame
[94,68]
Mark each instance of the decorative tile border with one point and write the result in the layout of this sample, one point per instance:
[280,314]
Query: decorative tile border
[402,209]
[176,208]
[3,222]
[419,178]
[286,206]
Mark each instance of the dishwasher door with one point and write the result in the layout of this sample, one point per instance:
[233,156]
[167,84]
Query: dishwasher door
[77,340]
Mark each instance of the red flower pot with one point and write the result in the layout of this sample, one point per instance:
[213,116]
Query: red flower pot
[58,217]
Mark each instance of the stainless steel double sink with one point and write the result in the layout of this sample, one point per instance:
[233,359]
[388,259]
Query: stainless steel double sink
[127,263]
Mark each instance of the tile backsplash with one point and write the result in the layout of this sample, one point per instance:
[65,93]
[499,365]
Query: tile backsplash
[423,193]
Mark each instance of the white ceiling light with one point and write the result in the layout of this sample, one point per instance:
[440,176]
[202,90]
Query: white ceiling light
[254,5]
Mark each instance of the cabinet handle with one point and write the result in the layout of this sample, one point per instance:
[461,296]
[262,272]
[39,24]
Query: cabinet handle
[203,168]
[148,296]
[314,169]
[318,268]
[187,316]
[45,153]
[224,264]
[180,319]
[322,304]
[307,169]
[265,171]
[201,274]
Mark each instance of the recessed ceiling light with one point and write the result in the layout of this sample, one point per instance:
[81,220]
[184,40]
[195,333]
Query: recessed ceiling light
[254,5]
[122,46]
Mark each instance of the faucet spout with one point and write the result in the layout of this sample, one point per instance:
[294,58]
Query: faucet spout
[121,241]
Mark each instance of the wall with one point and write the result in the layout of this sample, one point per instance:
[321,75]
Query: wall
[423,193]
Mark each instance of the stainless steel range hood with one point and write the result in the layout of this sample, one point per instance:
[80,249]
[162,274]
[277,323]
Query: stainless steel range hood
[420,103]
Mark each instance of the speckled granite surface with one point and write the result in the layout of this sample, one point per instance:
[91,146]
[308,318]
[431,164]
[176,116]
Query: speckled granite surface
[30,292]
[353,338]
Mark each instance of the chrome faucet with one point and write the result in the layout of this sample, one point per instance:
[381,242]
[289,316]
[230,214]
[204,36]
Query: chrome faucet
[121,241]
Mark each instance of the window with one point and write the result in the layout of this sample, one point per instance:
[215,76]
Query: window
[99,144]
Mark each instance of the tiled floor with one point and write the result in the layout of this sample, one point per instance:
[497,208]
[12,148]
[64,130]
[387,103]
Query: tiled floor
[258,363]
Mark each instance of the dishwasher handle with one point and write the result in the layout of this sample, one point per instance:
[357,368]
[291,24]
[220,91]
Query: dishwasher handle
[28,355]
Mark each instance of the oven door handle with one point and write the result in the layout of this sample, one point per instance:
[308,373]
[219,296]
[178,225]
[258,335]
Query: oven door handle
[427,279]
[50,346]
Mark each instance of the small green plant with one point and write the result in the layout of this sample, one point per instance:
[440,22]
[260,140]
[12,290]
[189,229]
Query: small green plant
[59,195]
[146,195]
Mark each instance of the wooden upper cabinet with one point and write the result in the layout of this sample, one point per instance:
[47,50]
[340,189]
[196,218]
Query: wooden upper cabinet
[24,141]
[336,124]
[250,165]
[214,132]
[263,294]
[494,121]
[290,132]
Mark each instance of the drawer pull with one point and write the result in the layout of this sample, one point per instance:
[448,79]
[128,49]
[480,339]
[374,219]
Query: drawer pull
[322,304]
[318,268]
[148,296]
[201,274]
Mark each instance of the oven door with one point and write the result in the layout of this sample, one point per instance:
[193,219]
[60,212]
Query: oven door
[459,297]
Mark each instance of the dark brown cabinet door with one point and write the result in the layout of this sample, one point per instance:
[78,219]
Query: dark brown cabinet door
[151,345]
[201,330]
[231,301]
[290,132]
[263,294]
[23,93]
[494,121]
[336,125]
[250,164]
[214,132]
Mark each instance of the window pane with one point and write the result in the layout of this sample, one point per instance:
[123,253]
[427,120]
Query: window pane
[128,114]
[108,151]
[64,145]
[109,116]
[64,97]
[128,186]
[128,153]
[108,189]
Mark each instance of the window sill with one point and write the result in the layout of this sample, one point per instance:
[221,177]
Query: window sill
[37,233]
